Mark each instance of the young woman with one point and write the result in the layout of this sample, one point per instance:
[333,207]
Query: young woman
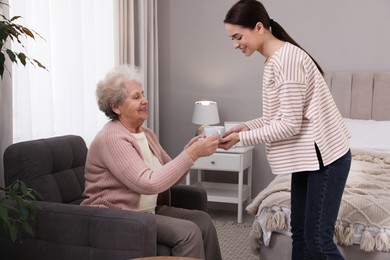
[304,133]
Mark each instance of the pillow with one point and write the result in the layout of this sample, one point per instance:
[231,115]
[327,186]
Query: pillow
[369,134]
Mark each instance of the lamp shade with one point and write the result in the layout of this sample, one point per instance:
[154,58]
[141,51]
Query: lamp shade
[205,113]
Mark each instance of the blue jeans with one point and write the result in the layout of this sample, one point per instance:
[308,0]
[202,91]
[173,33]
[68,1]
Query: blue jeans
[315,202]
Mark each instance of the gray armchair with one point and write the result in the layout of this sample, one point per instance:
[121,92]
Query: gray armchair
[65,230]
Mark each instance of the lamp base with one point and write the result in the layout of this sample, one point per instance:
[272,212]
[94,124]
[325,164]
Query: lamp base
[200,130]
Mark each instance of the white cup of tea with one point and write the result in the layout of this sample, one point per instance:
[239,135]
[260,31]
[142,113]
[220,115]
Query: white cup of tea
[214,130]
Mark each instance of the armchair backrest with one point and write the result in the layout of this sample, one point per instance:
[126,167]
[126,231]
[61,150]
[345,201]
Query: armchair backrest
[54,167]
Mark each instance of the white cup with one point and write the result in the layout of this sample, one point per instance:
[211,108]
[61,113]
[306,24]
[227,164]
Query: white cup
[214,130]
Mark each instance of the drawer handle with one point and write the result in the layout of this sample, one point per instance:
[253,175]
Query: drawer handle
[212,162]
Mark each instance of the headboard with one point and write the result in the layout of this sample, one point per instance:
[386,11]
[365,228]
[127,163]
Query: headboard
[361,95]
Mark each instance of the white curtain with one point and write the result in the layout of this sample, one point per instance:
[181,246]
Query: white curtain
[82,41]
[78,49]
[136,28]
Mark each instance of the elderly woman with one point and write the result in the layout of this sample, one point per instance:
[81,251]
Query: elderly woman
[127,168]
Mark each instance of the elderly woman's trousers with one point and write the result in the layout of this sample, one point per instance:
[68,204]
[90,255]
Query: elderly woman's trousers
[189,233]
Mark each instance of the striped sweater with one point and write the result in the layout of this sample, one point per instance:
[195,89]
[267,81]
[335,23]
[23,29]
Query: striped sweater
[298,112]
[116,174]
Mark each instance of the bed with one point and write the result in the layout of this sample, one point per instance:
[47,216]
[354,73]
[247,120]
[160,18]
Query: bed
[363,226]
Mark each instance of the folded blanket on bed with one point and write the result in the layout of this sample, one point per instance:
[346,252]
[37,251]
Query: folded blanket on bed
[364,216]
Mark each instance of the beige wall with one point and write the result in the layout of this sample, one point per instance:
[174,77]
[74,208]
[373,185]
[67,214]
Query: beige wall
[197,60]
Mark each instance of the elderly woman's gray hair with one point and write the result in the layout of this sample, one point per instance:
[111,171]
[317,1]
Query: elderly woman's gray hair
[111,90]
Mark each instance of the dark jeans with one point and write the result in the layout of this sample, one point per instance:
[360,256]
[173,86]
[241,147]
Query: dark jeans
[315,202]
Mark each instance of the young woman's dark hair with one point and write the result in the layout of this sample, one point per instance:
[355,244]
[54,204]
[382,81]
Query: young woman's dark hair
[247,13]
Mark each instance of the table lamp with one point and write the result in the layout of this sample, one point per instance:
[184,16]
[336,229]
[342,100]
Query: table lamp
[205,113]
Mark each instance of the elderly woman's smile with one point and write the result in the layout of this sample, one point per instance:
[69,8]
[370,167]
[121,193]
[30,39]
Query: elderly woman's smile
[133,111]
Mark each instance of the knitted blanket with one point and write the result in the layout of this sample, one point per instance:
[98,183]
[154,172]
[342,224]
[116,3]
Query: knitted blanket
[364,215]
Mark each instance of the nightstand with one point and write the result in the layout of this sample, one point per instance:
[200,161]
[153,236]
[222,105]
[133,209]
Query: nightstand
[239,160]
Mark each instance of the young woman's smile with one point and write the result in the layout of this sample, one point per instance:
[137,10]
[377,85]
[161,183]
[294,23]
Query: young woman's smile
[246,40]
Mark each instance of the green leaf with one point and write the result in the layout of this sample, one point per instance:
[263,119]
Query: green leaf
[3,35]
[39,64]
[31,196]
[15,186]
[23,188]
[28,228]
[13,231]
[2,60]
[11,56]
[28,32]
[15,18]
[12,30]
[22,58]
[8,206]
[22,210]
[4,213]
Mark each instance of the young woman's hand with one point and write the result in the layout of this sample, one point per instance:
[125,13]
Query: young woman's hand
[231,137]
[228,141]
[236,129]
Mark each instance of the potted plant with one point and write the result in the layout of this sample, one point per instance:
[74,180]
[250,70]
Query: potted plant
[17,200]
[16,207]
[9,30]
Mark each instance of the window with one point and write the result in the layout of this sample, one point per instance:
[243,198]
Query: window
[78,50]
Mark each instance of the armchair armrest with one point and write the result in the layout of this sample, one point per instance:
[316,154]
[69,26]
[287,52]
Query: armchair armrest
[188,197]
[64,231]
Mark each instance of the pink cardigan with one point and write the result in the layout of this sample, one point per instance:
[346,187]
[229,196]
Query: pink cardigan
[116,174]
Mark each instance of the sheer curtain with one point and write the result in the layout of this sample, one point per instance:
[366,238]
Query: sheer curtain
[82,41]
[78,49]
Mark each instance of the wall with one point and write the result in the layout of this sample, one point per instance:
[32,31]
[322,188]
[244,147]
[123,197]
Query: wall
[197,59]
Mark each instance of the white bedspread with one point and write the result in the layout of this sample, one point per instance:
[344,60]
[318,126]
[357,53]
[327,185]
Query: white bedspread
[364,216]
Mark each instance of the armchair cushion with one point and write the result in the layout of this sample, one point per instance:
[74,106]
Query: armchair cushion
[54,167]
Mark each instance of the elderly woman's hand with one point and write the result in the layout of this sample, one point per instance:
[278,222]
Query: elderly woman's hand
[199,146]
[193,140]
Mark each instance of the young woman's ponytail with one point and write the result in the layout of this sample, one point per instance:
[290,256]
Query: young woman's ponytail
[278,31]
